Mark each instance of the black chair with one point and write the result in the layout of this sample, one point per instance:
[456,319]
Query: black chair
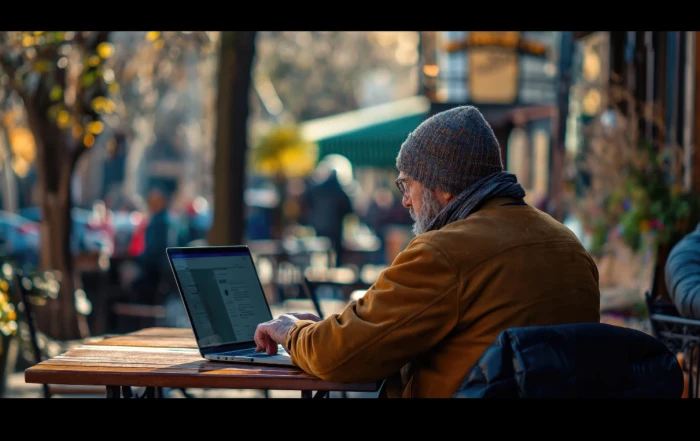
[681,335]
[586,360]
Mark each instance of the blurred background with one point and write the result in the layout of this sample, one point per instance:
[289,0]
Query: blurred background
[114,145]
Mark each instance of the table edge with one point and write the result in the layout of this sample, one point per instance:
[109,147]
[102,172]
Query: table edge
[48,375]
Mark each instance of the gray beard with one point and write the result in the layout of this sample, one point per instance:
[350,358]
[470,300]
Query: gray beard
[428,211]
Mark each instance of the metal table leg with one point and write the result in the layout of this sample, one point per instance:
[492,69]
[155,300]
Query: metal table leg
[310,394]
[126,392]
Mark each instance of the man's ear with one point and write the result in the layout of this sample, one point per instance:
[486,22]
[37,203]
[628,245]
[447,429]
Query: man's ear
[444,197]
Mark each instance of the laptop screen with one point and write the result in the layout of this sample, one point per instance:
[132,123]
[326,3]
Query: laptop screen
[223,295]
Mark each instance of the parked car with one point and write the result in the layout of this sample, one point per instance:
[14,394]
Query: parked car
[19,238]
[90,232]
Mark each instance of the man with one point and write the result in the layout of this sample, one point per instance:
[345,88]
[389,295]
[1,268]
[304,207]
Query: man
[682,275]
[482,261]
[160,233]
[327,204]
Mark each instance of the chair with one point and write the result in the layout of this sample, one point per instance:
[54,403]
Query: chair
[582,360]
[39,342]
[681,335]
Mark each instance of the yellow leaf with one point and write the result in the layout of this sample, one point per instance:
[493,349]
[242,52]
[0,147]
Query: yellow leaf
[63,119]
[95,127]
[77,131]
[268,166]
[20,166]
[41,66]
[152,35]
[105,50]
[4,286]
[22,144]
[27,41]
[94,61]
[284,150]
[56,93]
[114,88]
[158,44]
[98,104]
[89,140]
[109,105]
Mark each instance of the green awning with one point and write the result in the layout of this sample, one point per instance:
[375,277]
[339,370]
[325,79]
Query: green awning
[369,137]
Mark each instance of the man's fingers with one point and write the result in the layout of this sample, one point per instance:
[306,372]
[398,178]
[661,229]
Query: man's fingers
[259,338]
[271,346]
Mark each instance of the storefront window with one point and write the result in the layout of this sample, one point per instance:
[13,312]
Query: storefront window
[587,99]
[518,156]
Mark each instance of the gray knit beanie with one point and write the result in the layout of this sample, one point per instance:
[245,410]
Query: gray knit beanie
[451,150]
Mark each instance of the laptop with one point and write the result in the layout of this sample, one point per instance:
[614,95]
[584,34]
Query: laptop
[225,302]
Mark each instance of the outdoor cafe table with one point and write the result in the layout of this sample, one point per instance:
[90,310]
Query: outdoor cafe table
[156,358]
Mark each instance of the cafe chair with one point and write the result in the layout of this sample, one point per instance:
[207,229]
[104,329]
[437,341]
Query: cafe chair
[584,360]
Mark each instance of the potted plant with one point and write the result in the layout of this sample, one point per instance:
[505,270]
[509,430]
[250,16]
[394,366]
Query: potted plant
[632,202]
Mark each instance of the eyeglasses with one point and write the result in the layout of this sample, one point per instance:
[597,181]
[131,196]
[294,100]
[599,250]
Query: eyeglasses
[401,186]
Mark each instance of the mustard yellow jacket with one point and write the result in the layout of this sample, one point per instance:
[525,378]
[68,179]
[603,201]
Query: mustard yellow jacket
[447,296]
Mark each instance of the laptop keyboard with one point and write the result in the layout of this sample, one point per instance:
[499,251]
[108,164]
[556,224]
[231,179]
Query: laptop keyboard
[252,353]
[244,352]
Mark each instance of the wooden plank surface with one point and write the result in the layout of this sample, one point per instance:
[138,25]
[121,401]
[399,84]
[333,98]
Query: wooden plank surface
[169,358]
[154,338]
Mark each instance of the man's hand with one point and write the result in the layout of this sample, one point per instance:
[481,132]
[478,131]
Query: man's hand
[268,334]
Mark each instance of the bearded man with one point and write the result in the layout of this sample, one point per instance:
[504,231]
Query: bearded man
[482,261]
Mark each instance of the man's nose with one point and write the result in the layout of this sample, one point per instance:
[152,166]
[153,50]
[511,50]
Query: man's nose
[406,201]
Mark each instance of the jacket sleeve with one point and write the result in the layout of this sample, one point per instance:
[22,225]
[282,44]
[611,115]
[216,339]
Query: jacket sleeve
[410,308]
[683,275]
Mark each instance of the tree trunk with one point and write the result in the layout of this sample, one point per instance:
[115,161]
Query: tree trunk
[9,180]
[237,52]
[59,319]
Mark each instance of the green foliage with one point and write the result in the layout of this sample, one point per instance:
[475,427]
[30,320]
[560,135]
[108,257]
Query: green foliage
[634,185]
[645,204]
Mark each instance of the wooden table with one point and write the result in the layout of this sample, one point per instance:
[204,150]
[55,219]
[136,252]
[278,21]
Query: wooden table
[157,358]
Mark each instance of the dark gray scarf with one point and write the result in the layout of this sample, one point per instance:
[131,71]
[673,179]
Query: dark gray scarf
[497,185]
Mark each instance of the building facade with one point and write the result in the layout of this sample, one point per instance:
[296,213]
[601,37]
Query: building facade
[512,78]
[659,74]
